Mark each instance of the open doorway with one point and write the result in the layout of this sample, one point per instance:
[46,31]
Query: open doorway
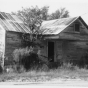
[51,51]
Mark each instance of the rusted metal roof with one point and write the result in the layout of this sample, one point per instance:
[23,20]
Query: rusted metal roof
[56,26]
[13,23]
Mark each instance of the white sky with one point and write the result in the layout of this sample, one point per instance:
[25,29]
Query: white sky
[75,7]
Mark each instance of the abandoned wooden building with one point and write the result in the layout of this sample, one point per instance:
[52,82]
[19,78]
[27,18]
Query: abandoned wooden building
[11,30]
[64,39]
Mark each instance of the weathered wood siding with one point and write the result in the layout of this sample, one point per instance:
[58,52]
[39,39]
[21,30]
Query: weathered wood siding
[65,50]
[69,32]
[59,51]
[71,51]
[13,41]
[70,28]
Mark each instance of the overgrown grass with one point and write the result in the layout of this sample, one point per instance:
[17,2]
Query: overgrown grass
[65,72]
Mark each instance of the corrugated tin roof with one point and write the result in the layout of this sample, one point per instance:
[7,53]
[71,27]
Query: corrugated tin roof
[13,23]
[56,26]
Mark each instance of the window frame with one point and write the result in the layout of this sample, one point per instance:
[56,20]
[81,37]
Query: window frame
[75,27]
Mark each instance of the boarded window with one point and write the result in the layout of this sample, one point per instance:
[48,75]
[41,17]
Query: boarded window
[77,27]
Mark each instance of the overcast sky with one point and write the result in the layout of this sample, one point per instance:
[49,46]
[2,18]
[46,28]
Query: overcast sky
[75,7]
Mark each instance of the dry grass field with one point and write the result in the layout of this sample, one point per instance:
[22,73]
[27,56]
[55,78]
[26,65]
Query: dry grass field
[64,72]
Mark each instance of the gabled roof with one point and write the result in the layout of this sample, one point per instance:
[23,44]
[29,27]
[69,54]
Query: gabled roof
[54,27]
[12,23]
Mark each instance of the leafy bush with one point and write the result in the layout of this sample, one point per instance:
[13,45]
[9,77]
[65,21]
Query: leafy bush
[27,58]
[18,54]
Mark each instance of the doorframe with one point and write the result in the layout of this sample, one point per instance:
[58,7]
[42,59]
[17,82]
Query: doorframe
[54,49]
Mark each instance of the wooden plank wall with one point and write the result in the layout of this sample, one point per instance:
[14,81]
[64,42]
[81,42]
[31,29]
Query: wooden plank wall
[13,41]
[59,52]
[71,51]
[70,33]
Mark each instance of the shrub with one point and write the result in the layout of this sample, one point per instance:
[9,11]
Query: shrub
[18,54]
[27,58]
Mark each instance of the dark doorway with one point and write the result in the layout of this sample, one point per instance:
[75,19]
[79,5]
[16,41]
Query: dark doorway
[51,51]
